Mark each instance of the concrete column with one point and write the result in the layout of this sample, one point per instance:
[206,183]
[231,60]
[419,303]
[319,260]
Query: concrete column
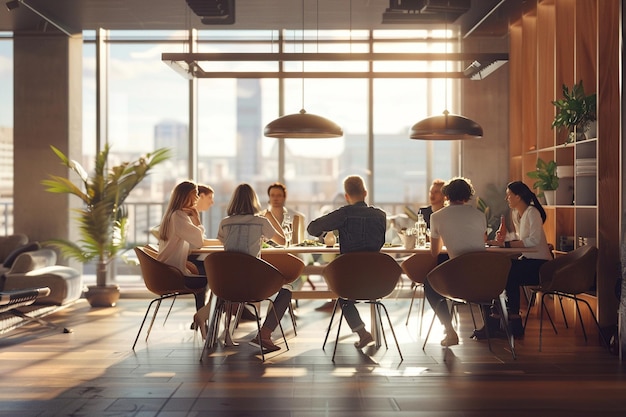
[47,111]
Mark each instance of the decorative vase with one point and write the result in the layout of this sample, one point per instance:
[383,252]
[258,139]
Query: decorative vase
[549,196]
[102,295]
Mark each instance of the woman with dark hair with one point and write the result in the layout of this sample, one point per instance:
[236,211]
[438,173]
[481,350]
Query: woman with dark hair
[243,230]
[528,218]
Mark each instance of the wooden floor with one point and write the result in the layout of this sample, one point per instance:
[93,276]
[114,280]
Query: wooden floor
[93,371]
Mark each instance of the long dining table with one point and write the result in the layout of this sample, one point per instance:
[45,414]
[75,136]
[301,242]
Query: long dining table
[393,250]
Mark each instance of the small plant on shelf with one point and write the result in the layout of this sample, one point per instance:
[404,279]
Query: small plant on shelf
[546,178]
[575,111]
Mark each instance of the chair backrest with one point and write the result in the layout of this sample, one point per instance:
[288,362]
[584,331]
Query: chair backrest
[362,275]
[476,277]
[418,265]
[290,266]
[572,273]
[160,278]
[239,277]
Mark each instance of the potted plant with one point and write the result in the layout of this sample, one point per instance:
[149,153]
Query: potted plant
[102,219]
[575,111]
[546,179]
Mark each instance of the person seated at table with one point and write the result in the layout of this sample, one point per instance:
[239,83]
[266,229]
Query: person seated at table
[206,199]
[181,230]
[277,212]
[436,198]
[463,228]
[243,231]
[361,228]
[528,218]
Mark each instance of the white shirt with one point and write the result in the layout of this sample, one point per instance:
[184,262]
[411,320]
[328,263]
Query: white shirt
[529,229]
[462,228]
[183,236]
[243,233]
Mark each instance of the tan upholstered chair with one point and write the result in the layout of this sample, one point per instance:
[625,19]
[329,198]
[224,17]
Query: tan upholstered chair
[362,277]
[163,280]
[291,268]
[416,267]
[568,276]
[242,279]
[474,278]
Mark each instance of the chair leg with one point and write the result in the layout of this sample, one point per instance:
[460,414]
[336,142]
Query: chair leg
[170,309]
[431,324]
[421,315]
[379,304]
[258,326]
[379,320]
[214,322]
[332,316]
[280,326]
[532,303]
[563,312]
[156,310]
[504,322]
[414,286]
[293,320]
[338,330]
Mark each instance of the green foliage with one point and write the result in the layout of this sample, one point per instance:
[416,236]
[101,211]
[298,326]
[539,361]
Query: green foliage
[545,175]
[575,108]
[103,218]
[493,205]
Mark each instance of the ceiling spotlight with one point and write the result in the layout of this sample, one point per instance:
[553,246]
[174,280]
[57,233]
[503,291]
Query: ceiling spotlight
[13,4]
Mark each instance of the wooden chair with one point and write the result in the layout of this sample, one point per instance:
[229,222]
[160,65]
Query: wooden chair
[474,278]
[291,267]
[416,267]
[242,279]
[568,276]
[163,280]
[363,277]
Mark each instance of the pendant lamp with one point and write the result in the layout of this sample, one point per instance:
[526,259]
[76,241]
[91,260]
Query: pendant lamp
[446,126]
[303,125]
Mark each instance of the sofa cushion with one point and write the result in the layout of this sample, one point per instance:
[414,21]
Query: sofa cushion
[29,261]
[11,257]
[9,243]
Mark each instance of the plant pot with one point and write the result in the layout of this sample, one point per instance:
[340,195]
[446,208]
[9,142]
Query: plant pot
[102,295]
[549,195]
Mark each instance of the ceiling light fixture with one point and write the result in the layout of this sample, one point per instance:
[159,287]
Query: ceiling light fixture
[303,125]
[446,126]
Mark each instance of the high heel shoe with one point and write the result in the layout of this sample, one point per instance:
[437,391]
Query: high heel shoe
[200,323]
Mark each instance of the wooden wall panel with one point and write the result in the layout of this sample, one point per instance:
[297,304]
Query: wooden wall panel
[515,90]
[545,73]
[586,44]
[609,151]
[529,82]
[565,18]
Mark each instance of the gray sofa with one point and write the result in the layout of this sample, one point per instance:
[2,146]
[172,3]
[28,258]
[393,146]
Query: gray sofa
[32,267]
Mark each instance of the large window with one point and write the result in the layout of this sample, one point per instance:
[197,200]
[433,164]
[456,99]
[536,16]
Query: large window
[6,134]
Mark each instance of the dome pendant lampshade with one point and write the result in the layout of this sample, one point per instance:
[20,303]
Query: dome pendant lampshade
[446,127]
[303,125]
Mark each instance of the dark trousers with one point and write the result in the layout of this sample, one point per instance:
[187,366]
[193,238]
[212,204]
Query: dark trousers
[523,271]
[281,304]
[351,314]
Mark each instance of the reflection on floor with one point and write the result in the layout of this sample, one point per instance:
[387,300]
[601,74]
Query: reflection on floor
[93,371]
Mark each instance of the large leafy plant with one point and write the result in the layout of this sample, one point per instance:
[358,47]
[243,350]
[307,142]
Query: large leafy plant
[102,219]
[545,176]
[575,108]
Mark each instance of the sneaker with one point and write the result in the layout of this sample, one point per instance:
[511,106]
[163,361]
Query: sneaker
[451,339]
[366,340]
[267,345]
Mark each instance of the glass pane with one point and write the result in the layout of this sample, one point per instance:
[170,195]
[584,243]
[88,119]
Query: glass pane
[6,135]
[231,146]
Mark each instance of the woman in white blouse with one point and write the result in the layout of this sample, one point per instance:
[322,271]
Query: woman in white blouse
[528,218]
